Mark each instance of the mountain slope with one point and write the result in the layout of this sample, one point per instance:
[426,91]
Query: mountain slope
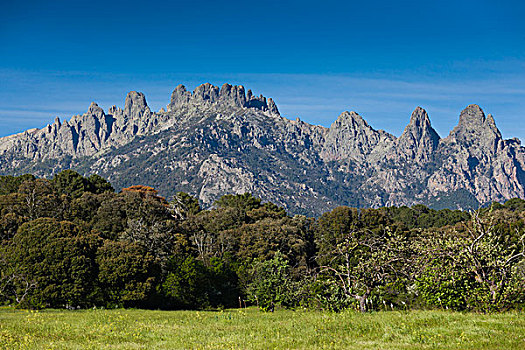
[214,141]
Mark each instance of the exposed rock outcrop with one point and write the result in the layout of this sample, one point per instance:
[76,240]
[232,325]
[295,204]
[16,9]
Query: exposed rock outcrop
[214,141]
[419,140]
[227,96]
[477,159]
[350,137]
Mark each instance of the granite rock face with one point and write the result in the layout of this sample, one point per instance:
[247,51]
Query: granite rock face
[419,140]
[475,157]
[215,141]
[350,137]
[226,96]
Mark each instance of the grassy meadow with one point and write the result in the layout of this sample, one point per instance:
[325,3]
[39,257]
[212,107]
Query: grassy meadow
[252,329]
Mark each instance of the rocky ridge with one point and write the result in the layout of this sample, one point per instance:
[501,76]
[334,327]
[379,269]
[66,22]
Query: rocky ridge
[214,141]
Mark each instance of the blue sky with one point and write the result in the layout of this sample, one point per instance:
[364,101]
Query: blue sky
[316,59]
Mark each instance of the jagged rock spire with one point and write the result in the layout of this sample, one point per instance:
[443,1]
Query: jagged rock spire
[419,139]
[179,97]
[229,142]
[472,117]
[135,105]
[206,93]
[233,93]
[476,129]
[227,95]
[472,120]
[94,109]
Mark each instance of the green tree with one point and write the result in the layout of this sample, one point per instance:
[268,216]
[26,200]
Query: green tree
[36,199]
[9,224]
[264,238]
[243,202]
[97,184]
[157,238]
[212,233]
[186,283]
[85,208]
[267,210]
[10,184]
[515,204]
[111,217]
[223,286]
[331,228]
[59,258]
[270,283]
[184,205]
[478,269]
[127,274]
[70,183]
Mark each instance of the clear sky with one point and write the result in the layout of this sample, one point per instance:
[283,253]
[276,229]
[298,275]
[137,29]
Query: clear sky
[315,58]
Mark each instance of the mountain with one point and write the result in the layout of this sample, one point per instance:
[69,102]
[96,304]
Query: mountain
[215,141]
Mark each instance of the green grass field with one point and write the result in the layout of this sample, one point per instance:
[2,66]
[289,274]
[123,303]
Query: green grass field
[248,329]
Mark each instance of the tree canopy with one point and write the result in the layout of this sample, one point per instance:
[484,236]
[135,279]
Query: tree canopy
[72,241]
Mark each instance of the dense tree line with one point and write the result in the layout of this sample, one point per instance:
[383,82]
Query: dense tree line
[72,241]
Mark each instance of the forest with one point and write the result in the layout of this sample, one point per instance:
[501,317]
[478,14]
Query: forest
[73,242]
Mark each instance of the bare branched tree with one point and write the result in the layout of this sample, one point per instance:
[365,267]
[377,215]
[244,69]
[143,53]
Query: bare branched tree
[363,261]
[491,256]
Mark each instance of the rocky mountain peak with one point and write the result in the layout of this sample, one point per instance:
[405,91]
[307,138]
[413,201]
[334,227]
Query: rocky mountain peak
[490,122]
[233,94]
[420,126]
[227,96]
[179,97]
[476,129]
[350,137]
[94,109]
[419,139]
[472,117]
[272,106]
[473,120]
[419,118]
[135,104]
[206,93]
[311,168]
[350,120]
